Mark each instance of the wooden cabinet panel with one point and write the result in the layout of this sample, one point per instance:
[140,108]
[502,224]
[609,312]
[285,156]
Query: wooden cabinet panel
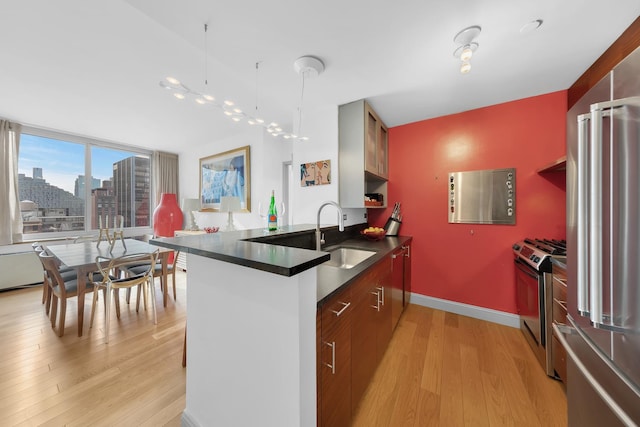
[559,359]
[407,273]
[382,150]
[372,328]
[363,350]
[384,323]
[334,361]
[318,370]
[363,164]
[356,327]
[559,312]
[559,316]
[370,145]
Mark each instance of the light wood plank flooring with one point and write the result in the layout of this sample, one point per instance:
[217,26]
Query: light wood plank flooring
[440,369]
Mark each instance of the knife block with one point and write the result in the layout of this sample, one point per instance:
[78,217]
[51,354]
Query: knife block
[392,227]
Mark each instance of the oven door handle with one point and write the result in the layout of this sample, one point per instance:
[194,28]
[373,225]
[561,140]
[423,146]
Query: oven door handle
[525,269]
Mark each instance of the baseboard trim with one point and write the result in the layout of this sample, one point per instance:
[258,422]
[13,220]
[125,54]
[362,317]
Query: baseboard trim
[187,421]
[490,315]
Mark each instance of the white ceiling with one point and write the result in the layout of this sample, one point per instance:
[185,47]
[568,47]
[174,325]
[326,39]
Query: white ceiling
[93,68]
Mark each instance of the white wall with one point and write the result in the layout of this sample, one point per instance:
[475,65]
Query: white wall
[321,126]
[257,369]
[267,157]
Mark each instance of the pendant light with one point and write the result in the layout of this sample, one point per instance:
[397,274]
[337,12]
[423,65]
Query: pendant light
[228,107]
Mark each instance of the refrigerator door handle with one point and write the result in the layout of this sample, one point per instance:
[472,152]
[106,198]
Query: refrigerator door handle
[602,392]
[595,216]
[622,102]
[582,216]
[595,258]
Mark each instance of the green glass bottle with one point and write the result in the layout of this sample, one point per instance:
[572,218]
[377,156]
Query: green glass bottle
[272,223]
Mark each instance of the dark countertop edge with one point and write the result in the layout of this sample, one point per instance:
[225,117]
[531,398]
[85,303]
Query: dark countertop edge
[338,277]
[264,266]
[217,250]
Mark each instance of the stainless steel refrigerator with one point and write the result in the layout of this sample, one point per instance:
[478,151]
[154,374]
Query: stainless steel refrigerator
[602,336]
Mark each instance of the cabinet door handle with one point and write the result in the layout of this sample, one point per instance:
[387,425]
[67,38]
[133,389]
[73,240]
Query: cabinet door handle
[332,365]
[377,306]
[338,313]
[381,297]
[408,248]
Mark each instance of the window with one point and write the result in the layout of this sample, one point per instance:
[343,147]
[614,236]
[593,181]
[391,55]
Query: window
[56,196]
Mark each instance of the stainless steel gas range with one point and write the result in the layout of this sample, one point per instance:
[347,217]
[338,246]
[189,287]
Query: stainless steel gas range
[533,293]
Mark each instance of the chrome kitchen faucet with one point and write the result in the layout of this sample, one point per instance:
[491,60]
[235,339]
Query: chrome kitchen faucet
[319,236]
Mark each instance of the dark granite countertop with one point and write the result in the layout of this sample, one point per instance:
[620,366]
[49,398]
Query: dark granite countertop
[331,279]
[236,248]
[266,251]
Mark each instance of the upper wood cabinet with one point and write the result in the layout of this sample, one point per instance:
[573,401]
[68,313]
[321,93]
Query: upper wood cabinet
[375,144]
[363,149]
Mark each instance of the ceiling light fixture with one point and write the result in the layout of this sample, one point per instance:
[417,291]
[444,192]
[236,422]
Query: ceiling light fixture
[467,46]
[306,67]
[530,27]
[181,91]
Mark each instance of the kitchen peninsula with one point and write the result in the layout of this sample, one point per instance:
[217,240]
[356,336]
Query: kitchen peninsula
[251,330]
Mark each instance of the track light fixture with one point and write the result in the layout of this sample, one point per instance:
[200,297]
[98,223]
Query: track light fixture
[305,66]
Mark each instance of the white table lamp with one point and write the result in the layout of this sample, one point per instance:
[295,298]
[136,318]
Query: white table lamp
[188,206]
[229,204]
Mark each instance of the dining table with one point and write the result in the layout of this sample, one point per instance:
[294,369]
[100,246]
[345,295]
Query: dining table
[81,256]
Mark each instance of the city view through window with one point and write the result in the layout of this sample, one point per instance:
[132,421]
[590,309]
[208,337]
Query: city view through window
[56,196]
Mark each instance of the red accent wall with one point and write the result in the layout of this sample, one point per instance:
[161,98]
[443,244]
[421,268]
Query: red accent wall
[471,263]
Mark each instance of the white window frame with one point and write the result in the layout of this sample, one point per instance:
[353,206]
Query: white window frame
[88,144]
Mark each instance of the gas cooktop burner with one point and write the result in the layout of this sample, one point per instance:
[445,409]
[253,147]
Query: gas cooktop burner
[538,252]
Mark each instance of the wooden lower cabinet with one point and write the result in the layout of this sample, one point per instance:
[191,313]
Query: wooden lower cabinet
[334,361]
[359,337]
[559,316]
[363,336]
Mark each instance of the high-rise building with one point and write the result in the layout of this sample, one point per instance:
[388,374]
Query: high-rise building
[49,196]
[103,205]
[132,190]
[79,187]
[57,209]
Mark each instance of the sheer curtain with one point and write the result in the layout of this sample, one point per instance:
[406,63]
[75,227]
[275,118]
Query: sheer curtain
[165,173]
[10,217]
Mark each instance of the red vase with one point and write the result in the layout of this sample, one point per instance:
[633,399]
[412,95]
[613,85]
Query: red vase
[167,216]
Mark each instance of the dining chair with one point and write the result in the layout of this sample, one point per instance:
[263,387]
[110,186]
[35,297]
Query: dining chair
[46,296]
[157,272]
[66,273]
[115,276]
[61,285]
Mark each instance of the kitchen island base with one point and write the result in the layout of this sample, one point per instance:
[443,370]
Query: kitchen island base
[251,346]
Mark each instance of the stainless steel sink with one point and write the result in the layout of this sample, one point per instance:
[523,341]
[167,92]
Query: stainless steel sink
[347,257]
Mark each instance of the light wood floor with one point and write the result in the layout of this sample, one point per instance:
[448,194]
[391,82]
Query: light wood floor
[440,369]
